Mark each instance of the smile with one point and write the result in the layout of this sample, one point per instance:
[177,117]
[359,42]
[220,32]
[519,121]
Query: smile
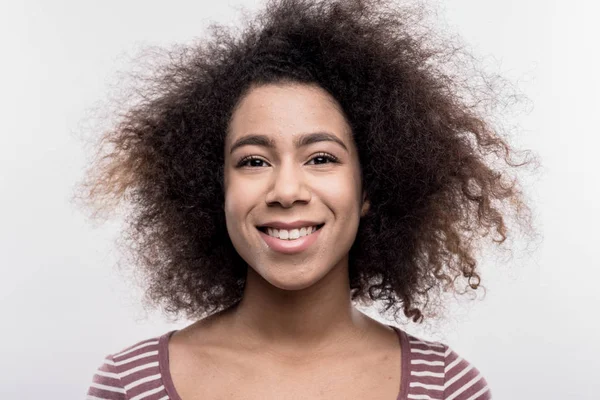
[290,241]
[290,234]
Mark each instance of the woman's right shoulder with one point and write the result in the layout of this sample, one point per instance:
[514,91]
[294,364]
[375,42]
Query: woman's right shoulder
[132,372]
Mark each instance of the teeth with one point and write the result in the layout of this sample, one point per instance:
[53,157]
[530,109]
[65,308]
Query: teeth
[292,233]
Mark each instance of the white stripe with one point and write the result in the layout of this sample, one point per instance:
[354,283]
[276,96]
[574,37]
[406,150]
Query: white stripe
[421,397]
[427,373]
[135,348]
[432,344]
[107,374]
[476,395]
[108,388]
[142,380]
[144,355]
[465,387]
[109,362]
[425,386]
[452,364]
[88,397]
[439,353]
[139,368]
[433,363]
[447,353]
[164,398]
[148,393]
[458,376]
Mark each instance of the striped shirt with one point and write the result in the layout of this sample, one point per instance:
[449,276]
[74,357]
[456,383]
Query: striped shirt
[430,371]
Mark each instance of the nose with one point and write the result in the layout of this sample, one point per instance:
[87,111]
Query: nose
[288,185]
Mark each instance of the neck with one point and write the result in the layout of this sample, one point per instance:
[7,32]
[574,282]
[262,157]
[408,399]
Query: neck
[315,318]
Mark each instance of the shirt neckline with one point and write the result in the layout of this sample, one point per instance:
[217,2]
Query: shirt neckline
[163,365]
[165,372]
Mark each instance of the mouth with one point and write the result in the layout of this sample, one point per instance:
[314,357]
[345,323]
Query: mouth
[290,241]
[266,229]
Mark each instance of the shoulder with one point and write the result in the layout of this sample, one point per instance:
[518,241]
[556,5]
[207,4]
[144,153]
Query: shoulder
[438,372]
[462,379]
[133,372]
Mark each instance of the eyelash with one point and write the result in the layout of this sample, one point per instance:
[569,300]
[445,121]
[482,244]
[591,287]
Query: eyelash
[326,156]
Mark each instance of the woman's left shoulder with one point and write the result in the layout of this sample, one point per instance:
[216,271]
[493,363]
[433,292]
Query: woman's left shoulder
[437,371]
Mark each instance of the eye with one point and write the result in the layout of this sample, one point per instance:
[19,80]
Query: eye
[324,157]
[255,162]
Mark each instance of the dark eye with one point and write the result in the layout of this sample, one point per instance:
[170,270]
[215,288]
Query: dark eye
[324,158]
[251,161]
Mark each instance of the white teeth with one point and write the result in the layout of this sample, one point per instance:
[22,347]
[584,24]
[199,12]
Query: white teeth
[291,234]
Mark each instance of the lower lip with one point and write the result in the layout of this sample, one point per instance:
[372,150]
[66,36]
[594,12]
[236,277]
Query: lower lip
[290,246]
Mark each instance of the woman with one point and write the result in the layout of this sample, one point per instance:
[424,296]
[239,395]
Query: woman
[275,179]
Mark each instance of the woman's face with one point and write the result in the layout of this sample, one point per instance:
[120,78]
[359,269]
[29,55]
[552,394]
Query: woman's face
[290,159]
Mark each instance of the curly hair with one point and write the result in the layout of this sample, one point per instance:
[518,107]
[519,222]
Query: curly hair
[434,168]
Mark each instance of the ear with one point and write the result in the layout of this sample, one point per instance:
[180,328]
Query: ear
[365,205]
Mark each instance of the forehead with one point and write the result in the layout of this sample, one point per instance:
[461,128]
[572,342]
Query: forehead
[285,110]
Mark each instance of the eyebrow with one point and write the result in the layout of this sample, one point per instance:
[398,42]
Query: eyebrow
[300,141]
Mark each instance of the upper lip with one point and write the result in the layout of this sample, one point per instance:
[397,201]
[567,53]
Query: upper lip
[289,225]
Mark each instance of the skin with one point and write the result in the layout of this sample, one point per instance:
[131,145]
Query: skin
[296,315]
[289,184]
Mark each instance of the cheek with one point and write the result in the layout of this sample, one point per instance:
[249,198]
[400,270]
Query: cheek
[240,198]
[343,192]
[234,214]
[234,202]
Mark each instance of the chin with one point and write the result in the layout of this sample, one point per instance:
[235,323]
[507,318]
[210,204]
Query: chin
[292,280]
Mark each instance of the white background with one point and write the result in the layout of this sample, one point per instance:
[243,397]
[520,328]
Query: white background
[64,307]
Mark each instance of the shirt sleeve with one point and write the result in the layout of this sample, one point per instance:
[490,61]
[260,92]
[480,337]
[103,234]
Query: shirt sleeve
[106,383]
[462,380]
